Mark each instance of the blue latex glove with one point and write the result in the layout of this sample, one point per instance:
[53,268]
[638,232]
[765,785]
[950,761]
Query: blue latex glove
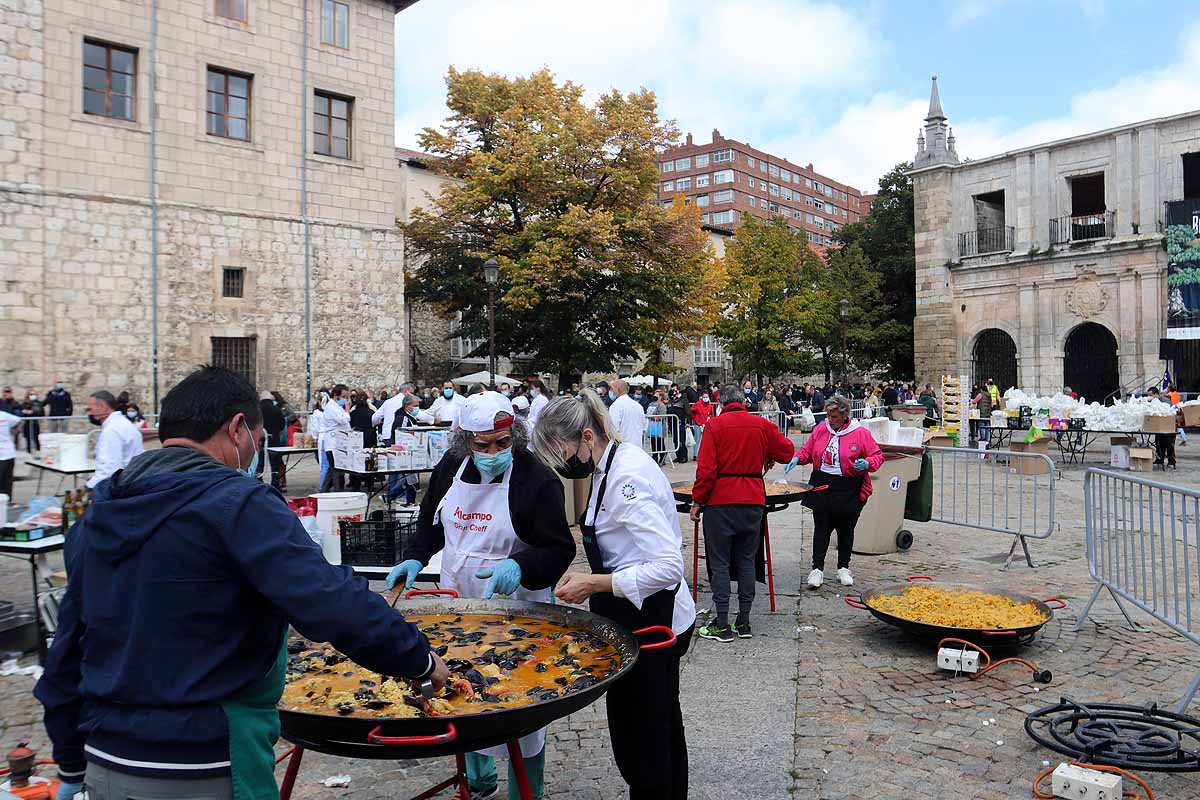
[860,465]
[408,570]
[67,791]
[791,464]
[504,578]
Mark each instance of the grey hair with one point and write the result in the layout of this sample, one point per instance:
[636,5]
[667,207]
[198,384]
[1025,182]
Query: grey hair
[731,394]
[460,439]
[560,426]
[105,397]
[409,399]
[840,403]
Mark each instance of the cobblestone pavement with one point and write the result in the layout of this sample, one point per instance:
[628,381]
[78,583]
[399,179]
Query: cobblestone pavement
[826,702]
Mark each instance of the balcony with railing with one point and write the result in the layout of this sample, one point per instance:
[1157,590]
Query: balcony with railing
[1083,227]
[983,241]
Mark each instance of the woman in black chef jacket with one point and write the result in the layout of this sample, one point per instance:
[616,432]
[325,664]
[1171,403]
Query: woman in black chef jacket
[631,534]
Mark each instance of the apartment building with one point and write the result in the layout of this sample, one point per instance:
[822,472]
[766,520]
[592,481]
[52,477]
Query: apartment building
[727,179]
[1067,263]
[190,181]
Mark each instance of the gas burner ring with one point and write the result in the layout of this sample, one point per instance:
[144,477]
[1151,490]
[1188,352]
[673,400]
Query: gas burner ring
[1133,737]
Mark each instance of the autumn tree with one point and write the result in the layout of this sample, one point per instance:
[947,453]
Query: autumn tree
[886,237]
[592,268]
[767,299]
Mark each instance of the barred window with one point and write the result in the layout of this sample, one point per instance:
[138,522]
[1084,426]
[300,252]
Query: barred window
[233,282]
[234,353]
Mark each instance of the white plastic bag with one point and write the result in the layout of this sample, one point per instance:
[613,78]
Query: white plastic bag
[807,420]
[689,438]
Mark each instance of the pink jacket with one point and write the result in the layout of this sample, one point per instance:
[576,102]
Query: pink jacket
[856,443]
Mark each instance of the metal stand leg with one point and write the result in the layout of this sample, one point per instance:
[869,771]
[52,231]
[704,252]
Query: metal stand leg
[518,765]
[1083,615]
[1013,550]
[462,789]
[695,559]
[289,777]
[770,569]
[1132,625]
[1187,698]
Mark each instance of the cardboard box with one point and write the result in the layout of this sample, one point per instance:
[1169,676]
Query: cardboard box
[939,440]
[1118,453]
[341,459]
[358,460]
[1191,416]
[1163,424]
[1141,459]
[1030,466]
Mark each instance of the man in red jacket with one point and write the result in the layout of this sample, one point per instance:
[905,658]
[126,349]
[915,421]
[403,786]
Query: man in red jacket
[735,449]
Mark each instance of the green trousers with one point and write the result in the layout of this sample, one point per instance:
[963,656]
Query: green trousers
[481,774]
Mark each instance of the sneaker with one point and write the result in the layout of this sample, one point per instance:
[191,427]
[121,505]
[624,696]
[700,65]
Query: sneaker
[717,634]
[742,629]
[815,579]
[479,794]
[844,577]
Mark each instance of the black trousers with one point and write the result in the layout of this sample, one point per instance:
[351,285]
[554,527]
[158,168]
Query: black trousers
[6,476]
[831,516]
[643,706]
[731,536]
[334,479]
[1164,448]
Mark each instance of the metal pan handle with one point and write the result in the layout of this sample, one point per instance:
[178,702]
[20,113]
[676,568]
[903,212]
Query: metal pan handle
[854,602]
[404,741]
[1050,601]
[663,645]
[411,593]
[912,578]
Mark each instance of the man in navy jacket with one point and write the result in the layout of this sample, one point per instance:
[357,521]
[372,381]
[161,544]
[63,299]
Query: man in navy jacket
[184,575]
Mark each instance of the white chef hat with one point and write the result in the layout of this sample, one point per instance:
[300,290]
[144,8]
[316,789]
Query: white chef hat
[520,403]
[479,414]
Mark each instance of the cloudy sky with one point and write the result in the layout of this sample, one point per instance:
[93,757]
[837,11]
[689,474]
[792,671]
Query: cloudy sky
[843,85]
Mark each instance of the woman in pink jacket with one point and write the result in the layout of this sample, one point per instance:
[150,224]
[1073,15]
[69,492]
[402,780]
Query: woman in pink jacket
[843,454]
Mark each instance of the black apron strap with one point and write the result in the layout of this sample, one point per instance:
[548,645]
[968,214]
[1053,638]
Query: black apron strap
[588,532]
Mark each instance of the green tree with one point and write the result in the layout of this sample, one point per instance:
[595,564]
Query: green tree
[885,236]
[767,298]
[870,326]
[562,194]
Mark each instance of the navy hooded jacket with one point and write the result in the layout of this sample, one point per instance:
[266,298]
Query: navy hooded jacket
[184,576]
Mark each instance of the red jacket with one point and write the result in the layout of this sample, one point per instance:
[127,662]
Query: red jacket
[856,443]
[701,412]
[737,443]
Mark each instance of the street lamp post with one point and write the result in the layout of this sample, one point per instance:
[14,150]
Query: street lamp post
[843,315]
[491,274]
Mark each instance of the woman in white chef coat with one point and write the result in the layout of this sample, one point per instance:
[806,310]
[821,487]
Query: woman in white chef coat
[630,531]
[336,418]
[494,540]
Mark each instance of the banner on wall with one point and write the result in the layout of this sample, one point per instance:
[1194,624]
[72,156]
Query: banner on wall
[1183,269]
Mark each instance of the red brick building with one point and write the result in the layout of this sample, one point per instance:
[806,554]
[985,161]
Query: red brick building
[727,179]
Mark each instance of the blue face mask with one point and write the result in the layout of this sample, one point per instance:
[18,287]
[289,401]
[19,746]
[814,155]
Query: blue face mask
[447,393]
[58,386]
[534,392]
[341,401]
[612,395]
[253,466]
[131,414]
[490,465]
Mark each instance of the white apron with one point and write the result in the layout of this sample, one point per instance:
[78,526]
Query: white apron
[479,533]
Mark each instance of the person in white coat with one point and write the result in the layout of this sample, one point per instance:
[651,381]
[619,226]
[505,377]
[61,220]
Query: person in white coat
[335,417]
[119,440]
[627,414]
[630,531]
[497,515]
[448,406]
[537,401]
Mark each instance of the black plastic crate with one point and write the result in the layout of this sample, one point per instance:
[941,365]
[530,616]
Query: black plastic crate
[1018,424]
[375,543]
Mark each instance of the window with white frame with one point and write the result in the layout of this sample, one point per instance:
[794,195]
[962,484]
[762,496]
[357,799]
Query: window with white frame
[683,163]
[773,207]
[773,189]
[704,218]
[773,170]
[750,180]
[808,218]
[818,185]
[667,166]
[844,214]
[785,175]
[683,183]
[702,200]
[819,205]
[785,193]
[702,180]
[808,201]
[762,165]
[808,182]
[668,186]
[725,196]
[702,160]
[724,217]
[722,156]
[723,176]
[829,191]
[753,201]
[750,161]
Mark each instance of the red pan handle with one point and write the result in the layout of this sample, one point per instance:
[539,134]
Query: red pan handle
[401,741]
[1051,600]
[411,593]
[663,645]
[854,602]
[912,578]
[999,633]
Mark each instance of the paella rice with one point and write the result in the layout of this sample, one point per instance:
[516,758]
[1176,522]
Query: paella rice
[959,608]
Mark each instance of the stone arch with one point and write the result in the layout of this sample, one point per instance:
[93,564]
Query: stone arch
[1090,365]
[994,355]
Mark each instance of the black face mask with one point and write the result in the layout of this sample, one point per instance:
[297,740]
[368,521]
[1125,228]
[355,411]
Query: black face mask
[95,420]
[576,468]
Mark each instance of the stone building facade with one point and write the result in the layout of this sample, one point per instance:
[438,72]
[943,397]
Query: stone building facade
[1044,267]
[141,239]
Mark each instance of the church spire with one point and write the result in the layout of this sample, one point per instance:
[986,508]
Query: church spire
[936,146]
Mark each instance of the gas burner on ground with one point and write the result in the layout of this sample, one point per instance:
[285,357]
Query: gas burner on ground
[1130,737]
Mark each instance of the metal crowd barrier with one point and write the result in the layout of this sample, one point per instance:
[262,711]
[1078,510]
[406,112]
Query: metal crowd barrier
[72,424]
[664,445]
[776,418]
[995,490]
[1142,538]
